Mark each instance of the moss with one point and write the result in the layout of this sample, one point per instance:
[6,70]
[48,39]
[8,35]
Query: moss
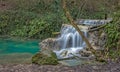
[43,59]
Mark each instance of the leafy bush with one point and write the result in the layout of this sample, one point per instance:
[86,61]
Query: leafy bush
[15,20]
[39,18]
[113,31]
[113,36]
[35,21]
[29,24]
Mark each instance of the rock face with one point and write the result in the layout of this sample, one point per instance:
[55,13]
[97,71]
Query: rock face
[85,53]
[97,39]
[49,44]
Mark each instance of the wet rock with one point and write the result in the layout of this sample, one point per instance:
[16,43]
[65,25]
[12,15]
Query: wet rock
[49,45]
[86,55]
[97,39]
[95,67]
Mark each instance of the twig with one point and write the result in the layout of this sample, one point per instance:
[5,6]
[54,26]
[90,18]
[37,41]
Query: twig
[94,29]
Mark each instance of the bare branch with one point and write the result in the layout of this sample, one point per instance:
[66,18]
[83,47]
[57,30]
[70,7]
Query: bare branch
[76,27]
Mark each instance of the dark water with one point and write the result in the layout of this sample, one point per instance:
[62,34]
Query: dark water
[17,50]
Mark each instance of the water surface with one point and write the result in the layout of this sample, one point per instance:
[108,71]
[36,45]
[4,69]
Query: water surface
[17,50]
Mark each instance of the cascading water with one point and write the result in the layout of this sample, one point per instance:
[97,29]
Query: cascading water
[71,42]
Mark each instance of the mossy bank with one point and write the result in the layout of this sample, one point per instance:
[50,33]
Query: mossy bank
[43,59]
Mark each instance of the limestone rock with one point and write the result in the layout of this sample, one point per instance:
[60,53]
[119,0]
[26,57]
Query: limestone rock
[83,28]
[87,55]
[97,39]
[49,44]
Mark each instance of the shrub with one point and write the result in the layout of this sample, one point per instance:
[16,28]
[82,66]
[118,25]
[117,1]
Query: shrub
[113,36]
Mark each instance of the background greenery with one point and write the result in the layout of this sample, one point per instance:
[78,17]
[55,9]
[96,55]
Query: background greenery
[33,20]
[113,36]
[40,18]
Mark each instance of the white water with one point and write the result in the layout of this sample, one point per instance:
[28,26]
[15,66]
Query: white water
[71,42]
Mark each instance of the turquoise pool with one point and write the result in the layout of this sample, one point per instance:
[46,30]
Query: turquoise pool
[17,50]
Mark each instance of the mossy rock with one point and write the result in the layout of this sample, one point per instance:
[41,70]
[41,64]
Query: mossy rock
[43,59]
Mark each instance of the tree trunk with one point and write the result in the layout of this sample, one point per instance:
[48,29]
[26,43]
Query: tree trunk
[76,27]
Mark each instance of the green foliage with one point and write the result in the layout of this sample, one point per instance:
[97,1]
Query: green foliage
[28,24]
[113,32]
[40,18]
[93,15]
[30,18]
[15,21]
[42,59]
[113,37]
[36,22]
[81,9]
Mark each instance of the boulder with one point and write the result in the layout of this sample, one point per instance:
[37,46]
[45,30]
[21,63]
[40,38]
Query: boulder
[97,39]
[46,56]
[43,59]
[49,45]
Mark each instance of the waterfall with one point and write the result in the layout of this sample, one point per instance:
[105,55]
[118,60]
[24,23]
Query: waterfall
[71,42]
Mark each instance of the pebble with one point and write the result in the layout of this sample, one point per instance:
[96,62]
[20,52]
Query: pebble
[115,67]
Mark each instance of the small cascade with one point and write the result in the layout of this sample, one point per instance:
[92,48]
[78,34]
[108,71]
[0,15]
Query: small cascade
[71,42]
